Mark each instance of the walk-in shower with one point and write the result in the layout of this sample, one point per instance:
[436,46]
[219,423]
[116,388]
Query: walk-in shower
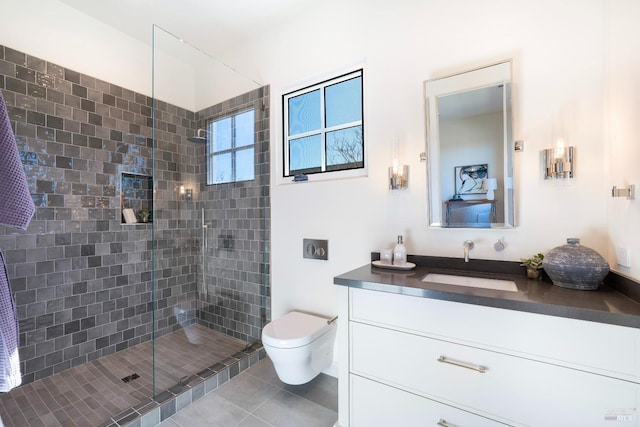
[133,318]
[212,251]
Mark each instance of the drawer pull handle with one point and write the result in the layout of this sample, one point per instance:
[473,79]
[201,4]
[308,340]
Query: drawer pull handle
[476,368]
[443,423]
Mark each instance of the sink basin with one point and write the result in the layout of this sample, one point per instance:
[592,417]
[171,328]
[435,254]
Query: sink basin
[474,282]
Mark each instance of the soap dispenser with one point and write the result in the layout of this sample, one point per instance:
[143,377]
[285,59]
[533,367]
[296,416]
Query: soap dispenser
[399,253]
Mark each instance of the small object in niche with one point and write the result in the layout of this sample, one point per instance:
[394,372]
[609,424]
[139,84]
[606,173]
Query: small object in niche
[575,266]
[145,215]
[456,198]
[299,177]
[534,266]
[129,216]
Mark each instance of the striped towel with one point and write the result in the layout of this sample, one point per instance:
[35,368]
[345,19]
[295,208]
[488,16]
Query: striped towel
[16,205]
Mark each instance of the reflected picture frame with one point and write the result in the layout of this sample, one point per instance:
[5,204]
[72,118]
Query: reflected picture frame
[469,179]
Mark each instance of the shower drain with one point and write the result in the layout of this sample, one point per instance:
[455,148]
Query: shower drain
[131,377]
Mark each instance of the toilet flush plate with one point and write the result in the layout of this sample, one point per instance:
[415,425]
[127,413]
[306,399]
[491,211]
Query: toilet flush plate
[315,249]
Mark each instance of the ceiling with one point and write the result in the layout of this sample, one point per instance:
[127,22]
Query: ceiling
[213,26]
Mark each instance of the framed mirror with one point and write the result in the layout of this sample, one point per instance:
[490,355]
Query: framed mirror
[470,149]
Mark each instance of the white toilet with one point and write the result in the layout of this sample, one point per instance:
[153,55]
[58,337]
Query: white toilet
[300,346]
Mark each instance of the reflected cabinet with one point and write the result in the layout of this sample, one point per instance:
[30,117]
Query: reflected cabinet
[479,213]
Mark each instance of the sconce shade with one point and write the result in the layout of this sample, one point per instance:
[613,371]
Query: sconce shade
[558,162]
[398,177]
[185,194]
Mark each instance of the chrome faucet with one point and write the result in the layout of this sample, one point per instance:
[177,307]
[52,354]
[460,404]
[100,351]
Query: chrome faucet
[468,245]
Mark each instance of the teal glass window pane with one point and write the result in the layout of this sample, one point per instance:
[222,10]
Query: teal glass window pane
[343,102]
[220,135]
[244,129]
[305,153]
[221,169]
[304,113]
[344,147]
[245,170]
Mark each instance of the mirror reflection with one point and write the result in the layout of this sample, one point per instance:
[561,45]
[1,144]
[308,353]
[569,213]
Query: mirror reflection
[470,148]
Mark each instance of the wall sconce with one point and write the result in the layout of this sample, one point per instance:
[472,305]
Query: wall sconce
[186,194]
[490,184]
[559,161]
[398,177]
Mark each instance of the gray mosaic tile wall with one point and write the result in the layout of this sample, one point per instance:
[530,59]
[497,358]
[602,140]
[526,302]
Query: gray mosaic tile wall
[83,280]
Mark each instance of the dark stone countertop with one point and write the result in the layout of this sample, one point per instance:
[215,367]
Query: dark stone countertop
[610,303]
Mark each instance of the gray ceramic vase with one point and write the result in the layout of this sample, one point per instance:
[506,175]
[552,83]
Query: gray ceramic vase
[575,266]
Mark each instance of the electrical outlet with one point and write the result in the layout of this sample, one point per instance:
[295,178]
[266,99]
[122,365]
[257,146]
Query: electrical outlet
[622,257]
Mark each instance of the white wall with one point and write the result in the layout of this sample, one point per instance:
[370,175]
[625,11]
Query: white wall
[51,30]
[622,135]
[575,62]
[56,32]
[402,45]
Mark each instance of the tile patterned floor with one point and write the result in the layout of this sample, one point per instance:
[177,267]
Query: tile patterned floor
[92,393]
[257,398]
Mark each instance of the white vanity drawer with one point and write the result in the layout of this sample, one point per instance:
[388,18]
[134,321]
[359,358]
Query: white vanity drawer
[377,405]
[606,349]
[512,389]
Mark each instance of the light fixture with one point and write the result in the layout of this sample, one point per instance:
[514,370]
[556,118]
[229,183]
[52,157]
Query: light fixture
[559,161]
[398,174]
[490,184]
[186,194]
[398,177]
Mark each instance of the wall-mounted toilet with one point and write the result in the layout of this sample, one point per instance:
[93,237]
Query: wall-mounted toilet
[300,345]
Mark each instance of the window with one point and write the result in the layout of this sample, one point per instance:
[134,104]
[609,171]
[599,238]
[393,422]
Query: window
[323,127]
[230,149]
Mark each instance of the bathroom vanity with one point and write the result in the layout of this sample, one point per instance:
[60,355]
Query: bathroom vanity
[431,354]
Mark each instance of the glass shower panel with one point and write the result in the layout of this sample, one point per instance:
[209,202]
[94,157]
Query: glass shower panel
[210,242]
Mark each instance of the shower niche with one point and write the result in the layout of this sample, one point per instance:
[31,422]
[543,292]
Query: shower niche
[136,198]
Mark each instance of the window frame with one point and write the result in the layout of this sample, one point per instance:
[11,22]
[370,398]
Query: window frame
[325,172]
[210,155]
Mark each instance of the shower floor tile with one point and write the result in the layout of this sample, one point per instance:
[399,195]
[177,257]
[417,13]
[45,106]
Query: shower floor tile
[93,393]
